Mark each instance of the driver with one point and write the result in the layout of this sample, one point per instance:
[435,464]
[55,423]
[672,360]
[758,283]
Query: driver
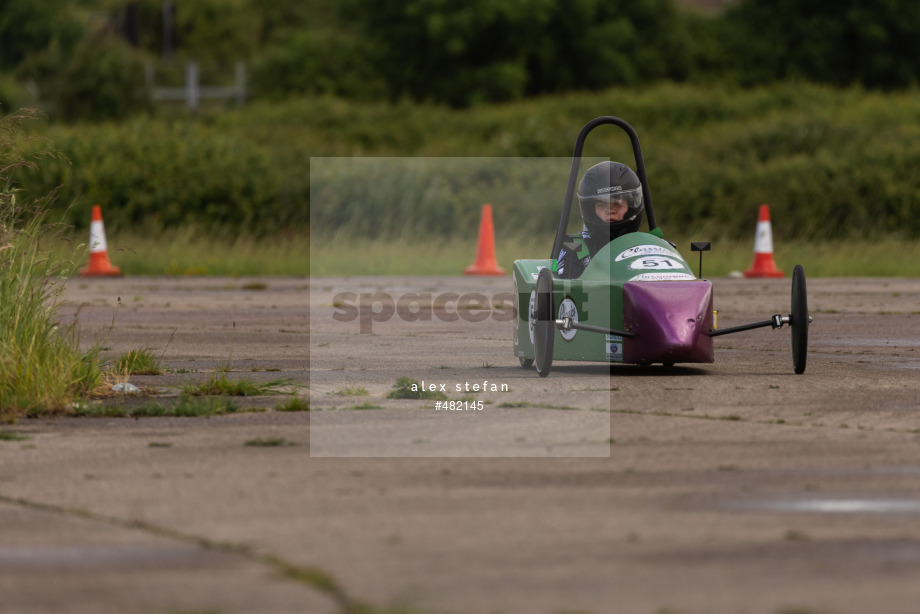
[610,200]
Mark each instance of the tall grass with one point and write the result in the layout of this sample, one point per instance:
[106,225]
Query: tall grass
[885,257]
[194,250]
[41,366]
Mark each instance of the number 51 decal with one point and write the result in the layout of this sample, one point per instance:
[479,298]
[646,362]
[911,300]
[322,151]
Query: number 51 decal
[656,262]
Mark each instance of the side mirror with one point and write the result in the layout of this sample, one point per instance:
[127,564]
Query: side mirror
[700,246]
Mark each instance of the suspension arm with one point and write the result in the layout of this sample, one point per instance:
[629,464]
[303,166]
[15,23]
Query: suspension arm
[569,324]
[776,321]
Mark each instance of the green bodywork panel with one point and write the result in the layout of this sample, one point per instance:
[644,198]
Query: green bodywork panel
[597,296]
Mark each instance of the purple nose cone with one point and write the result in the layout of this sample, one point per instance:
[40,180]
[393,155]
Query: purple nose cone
[671,320]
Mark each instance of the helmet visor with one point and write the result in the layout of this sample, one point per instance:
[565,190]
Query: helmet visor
[614,206]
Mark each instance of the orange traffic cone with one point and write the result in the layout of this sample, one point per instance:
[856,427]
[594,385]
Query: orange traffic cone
[99,263]
[485,263]
[763,266]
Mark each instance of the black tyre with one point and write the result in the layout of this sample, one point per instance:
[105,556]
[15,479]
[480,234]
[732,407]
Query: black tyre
[799,320]
[545,327]
[526,362]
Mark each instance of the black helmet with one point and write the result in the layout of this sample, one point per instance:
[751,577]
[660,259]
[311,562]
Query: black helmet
[610,182]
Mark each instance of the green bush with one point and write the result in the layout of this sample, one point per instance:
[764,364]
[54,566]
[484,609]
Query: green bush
[829,161]
[163,174]
[13,95]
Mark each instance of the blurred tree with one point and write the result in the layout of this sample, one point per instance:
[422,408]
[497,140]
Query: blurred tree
[220,30]
[841,42]
[28,28]
[480,50]
[306,61]
[101,80]
[591,44]
[279,17]
[71,60]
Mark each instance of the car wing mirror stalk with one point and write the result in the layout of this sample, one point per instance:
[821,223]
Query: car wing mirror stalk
[700,246]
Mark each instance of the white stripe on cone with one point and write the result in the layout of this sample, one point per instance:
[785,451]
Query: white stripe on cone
[97,237]
[763,241]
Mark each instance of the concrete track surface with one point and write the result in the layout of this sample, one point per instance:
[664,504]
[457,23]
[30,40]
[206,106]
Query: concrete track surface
[730,487]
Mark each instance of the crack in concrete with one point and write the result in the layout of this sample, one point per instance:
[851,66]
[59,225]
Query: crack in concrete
[311,576]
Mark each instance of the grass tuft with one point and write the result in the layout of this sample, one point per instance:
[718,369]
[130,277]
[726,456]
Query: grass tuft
[294,404]
[138,362]
[185,407]
[365,405]
[219,384]
[352,391]
[270,442]
[408,388]
[12,436]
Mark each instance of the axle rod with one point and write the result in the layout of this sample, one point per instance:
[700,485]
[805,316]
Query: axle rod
[569,324]
[776,322]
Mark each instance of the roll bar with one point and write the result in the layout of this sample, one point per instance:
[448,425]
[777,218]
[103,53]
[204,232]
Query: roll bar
[573,176]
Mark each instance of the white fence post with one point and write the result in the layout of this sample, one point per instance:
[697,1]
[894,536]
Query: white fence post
[191,85]
[192,93]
